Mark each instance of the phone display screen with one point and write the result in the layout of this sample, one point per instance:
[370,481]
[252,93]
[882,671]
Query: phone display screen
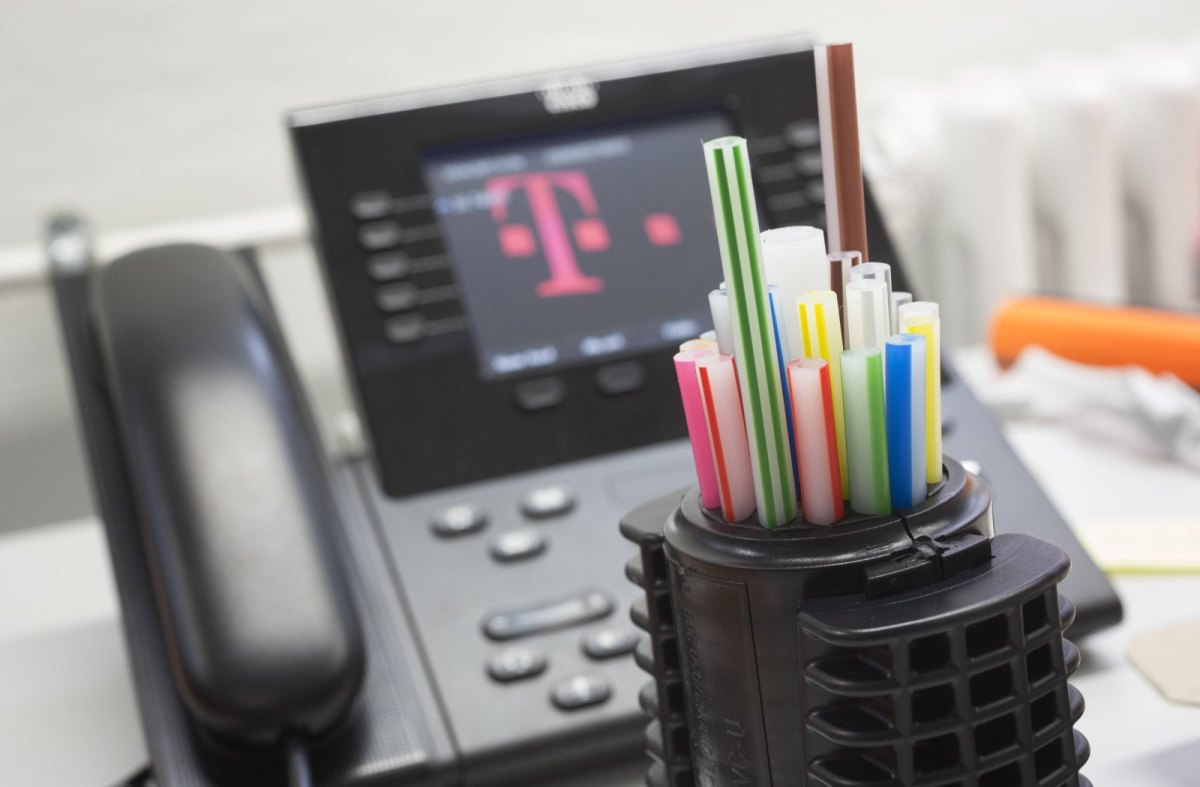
[578,246]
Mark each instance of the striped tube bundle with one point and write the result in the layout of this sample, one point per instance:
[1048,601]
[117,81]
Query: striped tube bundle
[816,441]
[758,374]
[718,380]
[904,360]
[866,432]
[821,333]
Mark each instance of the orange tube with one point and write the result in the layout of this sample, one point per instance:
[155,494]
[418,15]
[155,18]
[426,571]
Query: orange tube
[1158,341]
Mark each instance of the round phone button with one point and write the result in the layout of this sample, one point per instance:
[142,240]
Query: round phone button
[516,664]
[517,545]
[580,691]
[547,501]
[609,643]
[458,520]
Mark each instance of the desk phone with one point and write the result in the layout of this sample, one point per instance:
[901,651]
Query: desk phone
[511,268]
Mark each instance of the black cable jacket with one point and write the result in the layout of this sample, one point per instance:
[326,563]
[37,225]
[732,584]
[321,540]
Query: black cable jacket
[299,773]
[142,777]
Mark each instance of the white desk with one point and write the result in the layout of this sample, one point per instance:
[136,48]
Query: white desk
[67,713]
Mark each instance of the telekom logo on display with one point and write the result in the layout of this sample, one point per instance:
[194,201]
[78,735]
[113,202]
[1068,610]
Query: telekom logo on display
[590,234]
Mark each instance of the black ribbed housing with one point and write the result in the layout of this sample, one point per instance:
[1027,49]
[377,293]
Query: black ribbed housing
[914,649]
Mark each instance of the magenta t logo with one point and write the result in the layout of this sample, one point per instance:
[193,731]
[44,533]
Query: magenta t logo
[516,240]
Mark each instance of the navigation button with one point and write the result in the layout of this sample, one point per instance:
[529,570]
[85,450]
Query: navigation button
[380,235]
[517,545]
[540,394]
[458,520]
[581,691]
[808,162]
[388,266]
[609,643]
[547,501]
[368,205]
[397,297]
[564,613]
[802,133]
[621,378]
[405,329]
[516,664]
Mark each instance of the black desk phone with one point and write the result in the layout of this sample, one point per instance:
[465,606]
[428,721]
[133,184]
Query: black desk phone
[511,267]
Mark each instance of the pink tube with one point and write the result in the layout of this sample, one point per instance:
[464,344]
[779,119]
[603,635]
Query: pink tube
[727,435]
[693,413]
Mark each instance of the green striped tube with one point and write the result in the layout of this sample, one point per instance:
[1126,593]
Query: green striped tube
[753,335]
[866,431]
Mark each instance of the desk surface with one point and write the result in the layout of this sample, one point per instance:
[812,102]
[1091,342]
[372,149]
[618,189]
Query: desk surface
[68,717]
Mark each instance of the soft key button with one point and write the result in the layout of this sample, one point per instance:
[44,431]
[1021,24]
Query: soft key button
[370,205]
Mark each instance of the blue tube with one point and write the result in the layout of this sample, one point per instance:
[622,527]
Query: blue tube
[782,354]
[904,357]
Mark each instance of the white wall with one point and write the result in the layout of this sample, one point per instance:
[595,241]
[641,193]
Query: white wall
[141,111]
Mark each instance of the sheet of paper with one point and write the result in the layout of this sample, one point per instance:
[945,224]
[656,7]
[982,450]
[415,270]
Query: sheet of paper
[1167,657]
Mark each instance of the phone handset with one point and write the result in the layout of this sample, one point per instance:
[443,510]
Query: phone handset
[234,503]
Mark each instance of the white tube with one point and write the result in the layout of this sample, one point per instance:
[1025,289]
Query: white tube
[868,318]
[898,300]
[794,262]
[718,303]
[883,272]
[816,441]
